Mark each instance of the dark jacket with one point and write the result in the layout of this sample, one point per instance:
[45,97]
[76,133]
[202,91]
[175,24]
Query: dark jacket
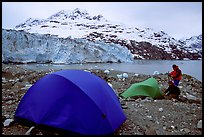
[172,89]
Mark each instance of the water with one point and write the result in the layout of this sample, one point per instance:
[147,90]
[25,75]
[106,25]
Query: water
[190,67]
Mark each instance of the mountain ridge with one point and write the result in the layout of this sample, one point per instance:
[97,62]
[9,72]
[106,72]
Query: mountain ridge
[80,24]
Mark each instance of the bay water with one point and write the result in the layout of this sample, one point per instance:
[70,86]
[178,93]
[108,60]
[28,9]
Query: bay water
[190,67]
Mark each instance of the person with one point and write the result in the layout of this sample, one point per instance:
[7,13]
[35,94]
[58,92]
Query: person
[172,91]
[176,74]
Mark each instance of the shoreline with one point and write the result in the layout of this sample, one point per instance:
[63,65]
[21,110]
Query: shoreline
[147,67]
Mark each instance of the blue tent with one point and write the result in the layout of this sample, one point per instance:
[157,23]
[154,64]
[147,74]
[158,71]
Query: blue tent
[73,100]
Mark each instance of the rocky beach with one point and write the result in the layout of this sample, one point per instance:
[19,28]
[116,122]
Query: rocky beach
[145,116]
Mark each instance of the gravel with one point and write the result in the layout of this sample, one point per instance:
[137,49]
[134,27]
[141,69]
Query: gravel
[145,116]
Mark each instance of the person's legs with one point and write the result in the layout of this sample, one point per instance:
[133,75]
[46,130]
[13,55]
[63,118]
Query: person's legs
[176,82]
[167,97]
[176,96]
[170,96]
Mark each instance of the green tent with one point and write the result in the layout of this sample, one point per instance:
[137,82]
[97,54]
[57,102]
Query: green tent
[148,88]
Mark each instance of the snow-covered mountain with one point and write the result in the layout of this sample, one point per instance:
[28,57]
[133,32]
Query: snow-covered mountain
[142,43]
[65,23]
[193,44]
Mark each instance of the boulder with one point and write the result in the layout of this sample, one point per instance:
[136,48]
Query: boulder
[150,131]
[199,125]
[7,122]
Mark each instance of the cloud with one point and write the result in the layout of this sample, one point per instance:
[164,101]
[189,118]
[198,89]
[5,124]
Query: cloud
[178,19]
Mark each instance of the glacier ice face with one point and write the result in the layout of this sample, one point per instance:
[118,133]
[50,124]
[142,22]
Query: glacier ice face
[23,47]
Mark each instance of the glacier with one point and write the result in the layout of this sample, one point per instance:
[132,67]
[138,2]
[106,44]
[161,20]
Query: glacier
[24,47]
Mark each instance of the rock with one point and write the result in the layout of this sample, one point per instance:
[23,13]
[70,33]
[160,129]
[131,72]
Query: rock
[150,131]
[40,133]
[186,130]
[7,122]
[172,127]
[140,106]
[150,118]
[27,86]
[7,116]
[199,125]
[120,76]
[18,85]
[7,99]
[191,97]
[125,75]
[146,111]
[138,100]
[173,100]
[180,87]
[164,127]
[3,118]
[122,102]
[29,131]
[136,75]
[7,74]
[3,80]
[161,109]
[156,73]
[9,102]
[17,80]
[139,133]
[106,71]
[11,80]
[124,133]
[182,98]
[124,107]
[148,99]
[21,79]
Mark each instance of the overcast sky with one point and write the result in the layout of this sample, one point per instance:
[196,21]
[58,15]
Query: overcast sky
[178,19]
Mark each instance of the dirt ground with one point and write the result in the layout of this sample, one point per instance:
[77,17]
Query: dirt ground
[145,116]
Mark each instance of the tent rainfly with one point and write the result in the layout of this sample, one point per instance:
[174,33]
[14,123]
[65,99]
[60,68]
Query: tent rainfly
[72,100]
[148,88]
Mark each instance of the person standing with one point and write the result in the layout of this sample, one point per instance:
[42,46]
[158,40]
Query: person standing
[176,74]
